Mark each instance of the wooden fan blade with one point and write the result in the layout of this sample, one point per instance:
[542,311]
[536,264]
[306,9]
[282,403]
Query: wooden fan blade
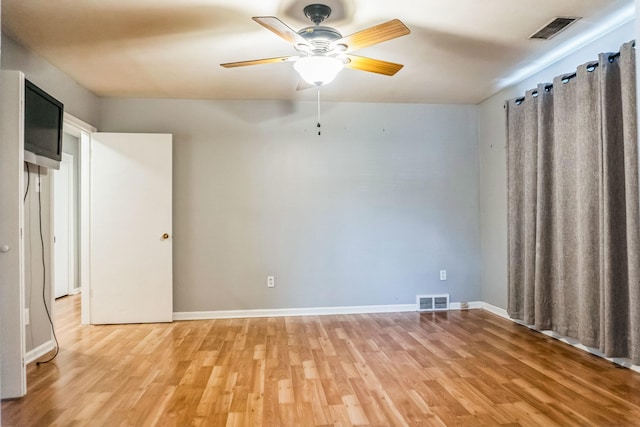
[372,65]
[258,61]
[373,35]
[275,25]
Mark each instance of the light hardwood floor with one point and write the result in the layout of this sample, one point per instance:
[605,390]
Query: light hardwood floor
[405,369]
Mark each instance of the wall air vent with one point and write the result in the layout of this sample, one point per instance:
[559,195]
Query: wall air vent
[553,28]
[432,302]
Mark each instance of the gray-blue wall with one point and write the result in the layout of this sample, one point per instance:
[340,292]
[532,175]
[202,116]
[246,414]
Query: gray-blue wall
[365,214]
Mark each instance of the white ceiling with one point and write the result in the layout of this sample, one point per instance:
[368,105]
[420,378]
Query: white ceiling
[458,51]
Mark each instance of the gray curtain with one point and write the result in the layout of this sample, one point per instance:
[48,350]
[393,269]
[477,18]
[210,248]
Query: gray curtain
[573,206]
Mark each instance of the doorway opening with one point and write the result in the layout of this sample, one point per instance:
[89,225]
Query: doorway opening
[72,256]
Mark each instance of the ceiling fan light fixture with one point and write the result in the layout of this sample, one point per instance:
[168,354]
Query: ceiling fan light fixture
[318,70]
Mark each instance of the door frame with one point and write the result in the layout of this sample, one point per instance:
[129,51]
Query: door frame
[83,131]
[71,233]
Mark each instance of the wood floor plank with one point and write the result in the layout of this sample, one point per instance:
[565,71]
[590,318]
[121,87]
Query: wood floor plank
[393,369]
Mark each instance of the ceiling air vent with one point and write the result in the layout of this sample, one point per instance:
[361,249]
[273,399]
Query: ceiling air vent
[432,302]
[554,27]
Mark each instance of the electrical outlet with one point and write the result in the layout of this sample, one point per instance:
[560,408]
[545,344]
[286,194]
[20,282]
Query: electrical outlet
[464,305]
[443,274]
[271,281]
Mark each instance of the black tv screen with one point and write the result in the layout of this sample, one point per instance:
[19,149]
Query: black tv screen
[43,118]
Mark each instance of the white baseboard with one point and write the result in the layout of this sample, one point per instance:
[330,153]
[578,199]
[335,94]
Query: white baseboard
[471,305]
[571,341]
[75,291]
[310,311]
[497,311]
[596,352]
[39,351]
[280,312]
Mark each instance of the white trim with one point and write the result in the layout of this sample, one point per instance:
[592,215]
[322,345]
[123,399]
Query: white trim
[77,125]
[72,231]
[85,227]
[571,341]
[39,351]
[51,269]
[71,267]
[310,311]
[83,131]
[280,312]
[471,305]
[496,310]
[575,343]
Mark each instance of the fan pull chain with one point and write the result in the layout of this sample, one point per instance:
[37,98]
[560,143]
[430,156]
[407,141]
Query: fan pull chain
[318,110]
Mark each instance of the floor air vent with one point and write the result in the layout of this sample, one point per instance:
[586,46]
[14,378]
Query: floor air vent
[432,302]
[553,28]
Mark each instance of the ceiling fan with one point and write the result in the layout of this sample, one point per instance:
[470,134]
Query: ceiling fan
[323,51]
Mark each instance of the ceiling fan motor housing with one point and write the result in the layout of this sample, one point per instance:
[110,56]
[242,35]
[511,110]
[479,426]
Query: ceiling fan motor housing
[317,13]
[320,37]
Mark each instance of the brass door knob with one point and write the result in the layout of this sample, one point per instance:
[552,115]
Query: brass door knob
[165,236]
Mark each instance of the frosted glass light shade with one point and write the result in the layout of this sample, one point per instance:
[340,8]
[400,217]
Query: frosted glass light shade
[318,70]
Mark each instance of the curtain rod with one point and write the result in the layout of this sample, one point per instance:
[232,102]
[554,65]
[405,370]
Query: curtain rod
[566,78]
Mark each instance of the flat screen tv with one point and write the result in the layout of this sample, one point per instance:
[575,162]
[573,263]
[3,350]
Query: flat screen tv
[43,118]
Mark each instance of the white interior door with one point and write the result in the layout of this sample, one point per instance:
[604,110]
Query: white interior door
[131,219]
[63,227]
[12,332]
